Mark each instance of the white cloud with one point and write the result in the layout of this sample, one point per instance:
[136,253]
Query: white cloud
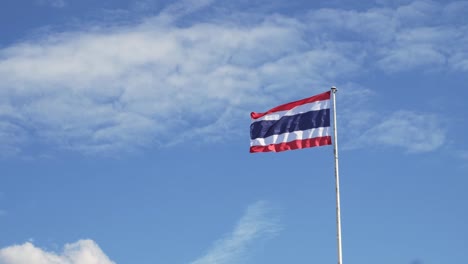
[81,252]
[112,89]
[408,130]
[257,223]
[145,85]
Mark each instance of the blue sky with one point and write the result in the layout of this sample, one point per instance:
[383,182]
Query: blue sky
[124,131]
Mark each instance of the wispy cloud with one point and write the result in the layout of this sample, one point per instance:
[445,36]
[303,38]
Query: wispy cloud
[462,154]
[109,89]
[257,223]
[411,131]
[415,35]
[184,7]
[81,252]
[53,3]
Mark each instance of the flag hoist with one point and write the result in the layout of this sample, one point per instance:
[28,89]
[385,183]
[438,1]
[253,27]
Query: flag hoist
[300,124]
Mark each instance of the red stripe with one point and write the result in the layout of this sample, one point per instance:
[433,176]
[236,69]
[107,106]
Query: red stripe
[289,106]
[296,144]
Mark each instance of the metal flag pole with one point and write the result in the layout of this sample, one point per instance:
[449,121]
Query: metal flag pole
[337,178]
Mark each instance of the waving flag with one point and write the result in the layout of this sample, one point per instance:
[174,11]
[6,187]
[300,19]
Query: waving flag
[301,124]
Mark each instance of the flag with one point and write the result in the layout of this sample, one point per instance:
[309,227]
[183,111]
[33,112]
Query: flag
[300,124]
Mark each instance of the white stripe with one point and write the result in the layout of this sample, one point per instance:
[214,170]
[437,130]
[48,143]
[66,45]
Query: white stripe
[288,137]
[314,106]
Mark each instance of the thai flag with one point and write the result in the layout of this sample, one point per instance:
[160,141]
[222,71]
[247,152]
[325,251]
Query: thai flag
[301,124]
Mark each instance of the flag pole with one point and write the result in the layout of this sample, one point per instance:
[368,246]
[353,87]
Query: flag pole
[337,178]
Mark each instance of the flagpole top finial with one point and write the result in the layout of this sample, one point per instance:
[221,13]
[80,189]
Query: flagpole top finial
[334,90]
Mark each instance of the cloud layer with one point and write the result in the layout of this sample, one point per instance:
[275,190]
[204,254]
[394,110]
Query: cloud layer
[102,89]
[81,252]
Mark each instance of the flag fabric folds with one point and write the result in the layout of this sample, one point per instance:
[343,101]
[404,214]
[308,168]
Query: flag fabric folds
[300,124]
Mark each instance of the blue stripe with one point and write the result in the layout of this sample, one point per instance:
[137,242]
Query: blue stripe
[304,121]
